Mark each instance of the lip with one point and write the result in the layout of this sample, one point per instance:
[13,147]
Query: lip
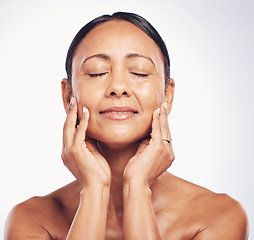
[119,113]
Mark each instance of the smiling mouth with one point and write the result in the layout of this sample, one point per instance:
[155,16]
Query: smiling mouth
[118,113]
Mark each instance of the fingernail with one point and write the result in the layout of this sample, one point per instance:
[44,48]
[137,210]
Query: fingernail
[166,105]
[158,111]
[84,109]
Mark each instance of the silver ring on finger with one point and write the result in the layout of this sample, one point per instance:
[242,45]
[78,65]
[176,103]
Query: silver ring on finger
[167,140]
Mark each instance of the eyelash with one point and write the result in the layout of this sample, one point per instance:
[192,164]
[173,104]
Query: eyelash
[142,75]
[94,75]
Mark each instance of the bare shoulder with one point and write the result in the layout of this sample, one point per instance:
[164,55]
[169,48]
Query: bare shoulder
[26,220]
[223,217]
[207,215]
[226,218]
[47,217]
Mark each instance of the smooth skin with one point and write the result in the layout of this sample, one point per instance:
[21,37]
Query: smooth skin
[123,190]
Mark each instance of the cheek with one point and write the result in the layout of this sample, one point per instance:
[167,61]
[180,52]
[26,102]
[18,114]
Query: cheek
[88,98]
[151,96]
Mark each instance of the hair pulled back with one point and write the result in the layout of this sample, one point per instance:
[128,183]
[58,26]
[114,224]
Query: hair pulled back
[139,21]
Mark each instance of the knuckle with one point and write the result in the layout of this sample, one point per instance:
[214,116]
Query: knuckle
[172,157]
[64,158]
[167,154]
[65,129]
[65,124]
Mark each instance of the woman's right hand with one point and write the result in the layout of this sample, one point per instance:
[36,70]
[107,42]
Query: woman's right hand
[80,156]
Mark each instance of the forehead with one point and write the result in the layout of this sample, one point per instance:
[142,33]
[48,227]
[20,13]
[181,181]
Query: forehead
[118,38]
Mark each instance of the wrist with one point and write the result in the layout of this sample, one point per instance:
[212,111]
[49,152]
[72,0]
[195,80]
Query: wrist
[137,181]
[95,183]
[136,187]
[95,190]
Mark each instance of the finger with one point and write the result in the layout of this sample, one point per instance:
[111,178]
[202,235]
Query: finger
[82,127]
[166,132]
[156,129]
[92,145]
[143,144]
[69,125]
[164,122]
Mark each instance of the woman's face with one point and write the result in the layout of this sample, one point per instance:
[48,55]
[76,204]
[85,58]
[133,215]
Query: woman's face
[118,74]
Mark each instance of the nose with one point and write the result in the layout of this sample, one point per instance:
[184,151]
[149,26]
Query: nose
[118,86]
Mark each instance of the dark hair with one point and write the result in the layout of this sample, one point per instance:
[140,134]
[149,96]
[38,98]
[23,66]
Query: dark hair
[139,21]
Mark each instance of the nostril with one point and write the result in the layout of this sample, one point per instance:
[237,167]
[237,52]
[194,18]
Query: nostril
[113,93]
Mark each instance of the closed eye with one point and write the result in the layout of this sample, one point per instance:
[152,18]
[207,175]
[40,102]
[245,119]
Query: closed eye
[143,75]
[94,75]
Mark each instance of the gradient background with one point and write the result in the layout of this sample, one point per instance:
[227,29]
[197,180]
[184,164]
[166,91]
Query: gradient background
[212,121]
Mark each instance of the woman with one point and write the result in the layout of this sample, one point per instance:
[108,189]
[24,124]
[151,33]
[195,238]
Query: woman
[117,143]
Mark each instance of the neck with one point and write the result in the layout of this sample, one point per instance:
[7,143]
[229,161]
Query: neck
[117,159]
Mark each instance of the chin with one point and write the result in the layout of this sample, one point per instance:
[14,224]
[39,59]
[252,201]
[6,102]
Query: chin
[118,138]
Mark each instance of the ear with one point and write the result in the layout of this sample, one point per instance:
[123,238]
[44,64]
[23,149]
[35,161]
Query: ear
[66,93]
[169,94]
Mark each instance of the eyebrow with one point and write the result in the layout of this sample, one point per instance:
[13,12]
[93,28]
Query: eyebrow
[128,56]
[135,55]
[100,55]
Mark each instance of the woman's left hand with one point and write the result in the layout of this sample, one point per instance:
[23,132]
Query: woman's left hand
[155,155]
